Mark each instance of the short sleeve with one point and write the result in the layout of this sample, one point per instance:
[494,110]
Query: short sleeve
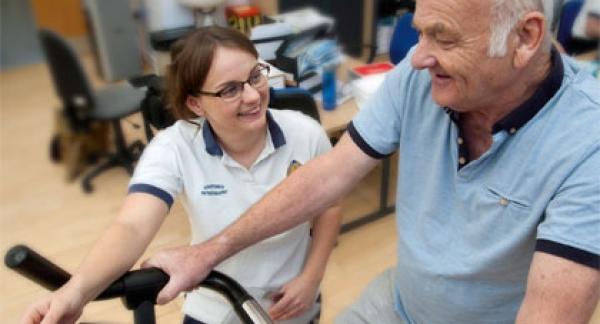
[157,172]
[571,226]
[376,128]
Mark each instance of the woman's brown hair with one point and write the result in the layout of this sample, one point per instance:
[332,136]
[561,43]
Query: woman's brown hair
[191,59]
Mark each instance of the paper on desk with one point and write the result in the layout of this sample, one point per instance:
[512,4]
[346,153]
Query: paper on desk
[343,93]
[304,19]
[267,50]
[277,78]
[365,87]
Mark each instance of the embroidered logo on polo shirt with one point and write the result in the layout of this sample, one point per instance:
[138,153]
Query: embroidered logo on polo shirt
[213,189]
[294,165]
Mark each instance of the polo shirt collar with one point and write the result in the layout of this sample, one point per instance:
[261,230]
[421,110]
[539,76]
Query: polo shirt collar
[213,148]
[525,112]
[547,89]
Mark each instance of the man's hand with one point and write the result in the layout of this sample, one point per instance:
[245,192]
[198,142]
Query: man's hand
[187,266]
[295,298]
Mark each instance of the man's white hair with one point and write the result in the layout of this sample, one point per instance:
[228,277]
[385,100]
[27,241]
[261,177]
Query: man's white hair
[505,16]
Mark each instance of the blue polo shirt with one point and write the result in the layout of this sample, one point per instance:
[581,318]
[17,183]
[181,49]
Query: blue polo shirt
[467,229]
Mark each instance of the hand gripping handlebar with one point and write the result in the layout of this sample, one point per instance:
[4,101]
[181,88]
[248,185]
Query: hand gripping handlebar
[137,288]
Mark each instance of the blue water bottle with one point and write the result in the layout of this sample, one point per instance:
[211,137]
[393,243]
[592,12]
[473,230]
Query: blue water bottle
[329,91]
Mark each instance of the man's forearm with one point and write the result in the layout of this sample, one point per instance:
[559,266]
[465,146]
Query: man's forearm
[306,193]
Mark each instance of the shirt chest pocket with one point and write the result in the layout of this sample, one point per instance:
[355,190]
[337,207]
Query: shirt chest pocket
[504,205]
[493,215]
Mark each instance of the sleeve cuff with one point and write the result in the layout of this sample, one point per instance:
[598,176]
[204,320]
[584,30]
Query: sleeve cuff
[574,254]
[360,142]
[154,191]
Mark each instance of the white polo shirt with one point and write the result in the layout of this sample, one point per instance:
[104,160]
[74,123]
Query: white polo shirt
[185,160]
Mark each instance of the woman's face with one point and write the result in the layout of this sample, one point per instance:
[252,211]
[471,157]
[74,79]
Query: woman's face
[238,114]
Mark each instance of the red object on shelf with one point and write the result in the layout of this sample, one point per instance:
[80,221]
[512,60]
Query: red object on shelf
[243,17]
[373,68]
[243,11]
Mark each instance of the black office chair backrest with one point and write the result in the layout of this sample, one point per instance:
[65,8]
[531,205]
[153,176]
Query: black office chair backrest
[294,99]
[70,81]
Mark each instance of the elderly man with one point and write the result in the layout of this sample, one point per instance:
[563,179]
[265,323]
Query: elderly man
[498,206]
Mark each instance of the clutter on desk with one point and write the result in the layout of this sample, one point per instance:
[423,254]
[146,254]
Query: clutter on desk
[329,93]
[278,79]
[304,19]
[369,69]
[304,54]
[366,79]
[343,93]
[267,38]
[243,17]
[364,88]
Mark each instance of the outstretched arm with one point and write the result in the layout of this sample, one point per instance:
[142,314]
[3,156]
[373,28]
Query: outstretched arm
[306,193]
[559,291]
[114,253]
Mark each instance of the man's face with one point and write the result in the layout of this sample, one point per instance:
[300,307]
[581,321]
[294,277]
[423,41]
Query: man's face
[453,47]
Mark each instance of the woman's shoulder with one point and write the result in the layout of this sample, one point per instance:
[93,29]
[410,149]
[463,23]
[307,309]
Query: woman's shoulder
[180,133]
[293,119]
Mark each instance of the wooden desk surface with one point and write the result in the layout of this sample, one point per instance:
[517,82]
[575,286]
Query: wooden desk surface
[336,120]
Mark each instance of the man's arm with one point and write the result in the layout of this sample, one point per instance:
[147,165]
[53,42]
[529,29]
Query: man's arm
[306,193]
[559,291]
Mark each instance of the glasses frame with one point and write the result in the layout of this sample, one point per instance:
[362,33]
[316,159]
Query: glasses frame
[262,67]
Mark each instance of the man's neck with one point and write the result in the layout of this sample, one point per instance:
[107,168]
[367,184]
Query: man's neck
[477,124]
[516,93]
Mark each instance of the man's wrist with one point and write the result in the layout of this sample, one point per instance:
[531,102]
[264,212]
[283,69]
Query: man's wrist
[213,251]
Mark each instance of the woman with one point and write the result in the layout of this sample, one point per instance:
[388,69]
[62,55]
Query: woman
[225,151]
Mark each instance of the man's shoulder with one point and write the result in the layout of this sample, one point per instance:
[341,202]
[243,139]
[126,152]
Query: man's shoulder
[579,82]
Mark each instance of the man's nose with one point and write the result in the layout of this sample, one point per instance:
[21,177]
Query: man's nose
[423,57]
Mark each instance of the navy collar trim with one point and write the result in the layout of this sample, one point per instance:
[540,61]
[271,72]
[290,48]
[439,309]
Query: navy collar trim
[213,148]
[276,133]
[547,89]
[210,140]
[525,112]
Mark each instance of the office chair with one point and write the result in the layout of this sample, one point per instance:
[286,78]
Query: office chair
[403,38]
[564,35]
[82,105]
[294,99]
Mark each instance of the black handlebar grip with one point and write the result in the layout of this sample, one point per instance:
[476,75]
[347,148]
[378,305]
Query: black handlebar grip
[139,286]
[35,267]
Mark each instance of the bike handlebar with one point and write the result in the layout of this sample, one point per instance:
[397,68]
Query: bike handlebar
[136,286]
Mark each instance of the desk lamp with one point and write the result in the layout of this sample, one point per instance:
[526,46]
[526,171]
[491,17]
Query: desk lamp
[204,10]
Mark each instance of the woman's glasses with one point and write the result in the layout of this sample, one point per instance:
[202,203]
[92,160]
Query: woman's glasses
[233,90]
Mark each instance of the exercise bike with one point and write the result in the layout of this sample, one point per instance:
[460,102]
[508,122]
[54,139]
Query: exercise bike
[137,288]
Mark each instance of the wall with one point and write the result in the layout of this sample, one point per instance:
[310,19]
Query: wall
[18,38]
[63,16]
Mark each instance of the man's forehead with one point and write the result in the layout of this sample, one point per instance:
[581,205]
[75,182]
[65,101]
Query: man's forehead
[457,6]
[450,14]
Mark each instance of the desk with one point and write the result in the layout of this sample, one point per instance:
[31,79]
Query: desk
[334,122]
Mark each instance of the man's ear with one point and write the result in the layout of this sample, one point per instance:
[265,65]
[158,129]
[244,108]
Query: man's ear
[193,104]
[530,33]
